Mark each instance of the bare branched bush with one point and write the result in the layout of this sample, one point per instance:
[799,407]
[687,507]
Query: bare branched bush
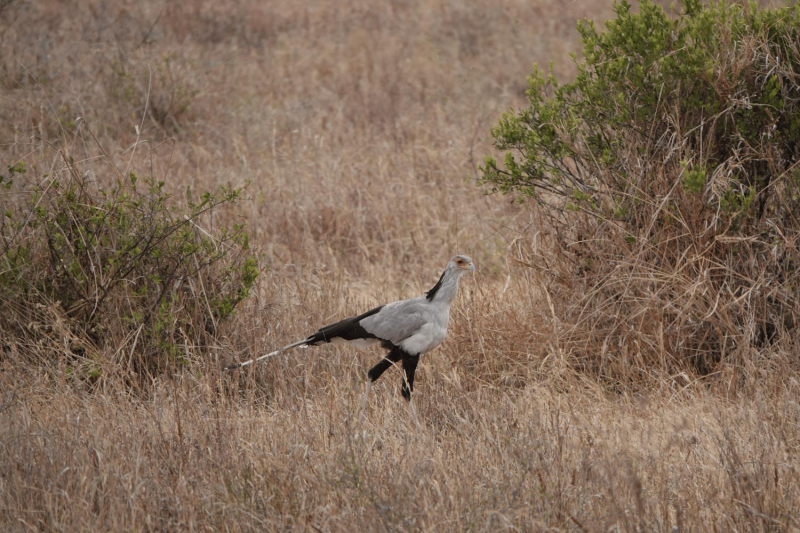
[96,264]
[666,176]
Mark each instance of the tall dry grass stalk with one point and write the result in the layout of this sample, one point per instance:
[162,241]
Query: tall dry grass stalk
[356,130]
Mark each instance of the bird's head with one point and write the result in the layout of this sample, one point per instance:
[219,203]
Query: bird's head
[461,264]
[457,267]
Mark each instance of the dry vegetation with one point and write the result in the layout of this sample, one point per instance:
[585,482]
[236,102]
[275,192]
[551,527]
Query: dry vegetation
[357,129]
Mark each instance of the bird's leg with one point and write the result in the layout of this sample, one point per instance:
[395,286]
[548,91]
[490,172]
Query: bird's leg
[409,368]
[384,364]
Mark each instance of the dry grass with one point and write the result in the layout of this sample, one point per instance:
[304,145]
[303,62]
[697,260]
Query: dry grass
[358,128]
[296,456]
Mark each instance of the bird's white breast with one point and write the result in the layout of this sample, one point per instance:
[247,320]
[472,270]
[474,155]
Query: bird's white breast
[426,339]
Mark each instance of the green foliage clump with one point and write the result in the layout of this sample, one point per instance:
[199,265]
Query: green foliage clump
[671,161]
[90,267]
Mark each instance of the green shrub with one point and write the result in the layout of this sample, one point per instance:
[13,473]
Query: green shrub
[666,174]
[89,272]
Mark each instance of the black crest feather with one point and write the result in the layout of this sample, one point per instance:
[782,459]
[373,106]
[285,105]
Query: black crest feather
[431,293]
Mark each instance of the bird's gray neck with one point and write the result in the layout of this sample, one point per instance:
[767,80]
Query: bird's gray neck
[445,289]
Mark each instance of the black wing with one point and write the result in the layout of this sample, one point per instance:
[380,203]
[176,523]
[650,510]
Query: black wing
[348,329]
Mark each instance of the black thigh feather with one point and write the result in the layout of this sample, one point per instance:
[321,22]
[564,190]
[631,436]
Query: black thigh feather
[395,354]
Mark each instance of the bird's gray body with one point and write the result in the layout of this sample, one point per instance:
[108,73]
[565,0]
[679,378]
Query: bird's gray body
[416,325]
[408,328]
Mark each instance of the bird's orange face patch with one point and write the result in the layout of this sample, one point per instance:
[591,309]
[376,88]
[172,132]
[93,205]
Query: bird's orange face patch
[462,263]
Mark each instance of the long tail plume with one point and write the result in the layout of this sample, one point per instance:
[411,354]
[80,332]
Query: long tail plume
[234,366]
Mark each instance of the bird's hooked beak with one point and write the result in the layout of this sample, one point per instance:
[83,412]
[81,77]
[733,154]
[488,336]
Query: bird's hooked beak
[471,266]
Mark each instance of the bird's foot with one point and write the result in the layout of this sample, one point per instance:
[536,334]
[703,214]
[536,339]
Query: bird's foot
[406,392]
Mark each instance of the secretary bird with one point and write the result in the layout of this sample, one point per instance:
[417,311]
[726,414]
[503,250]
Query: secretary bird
[407,329]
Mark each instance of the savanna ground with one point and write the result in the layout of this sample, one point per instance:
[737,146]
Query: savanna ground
[357,128]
